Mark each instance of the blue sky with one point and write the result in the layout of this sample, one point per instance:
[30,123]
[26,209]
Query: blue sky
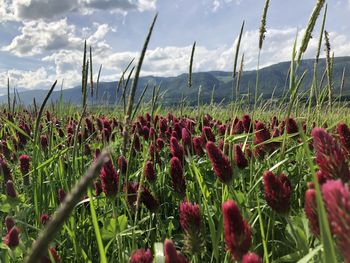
[42,40]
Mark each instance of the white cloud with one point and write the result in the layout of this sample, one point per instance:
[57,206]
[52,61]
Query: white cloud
[18,10]
[173,60]
[38,37]
[37,79]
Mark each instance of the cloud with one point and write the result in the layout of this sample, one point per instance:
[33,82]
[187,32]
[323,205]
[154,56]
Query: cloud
[172,60]
[38,37]
[18,10]
[33,79]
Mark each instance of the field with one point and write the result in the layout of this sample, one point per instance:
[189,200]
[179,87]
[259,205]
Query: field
[256,180]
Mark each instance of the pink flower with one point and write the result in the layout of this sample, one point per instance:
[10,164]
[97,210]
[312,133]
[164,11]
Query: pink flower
[251,258]
[310,209]
[147,198]
[141,256]
[240,158]
[9,223]
[177,176]
[237,233]
[221,165]
[61,195]
[44,218]
[149,171]
[171,255]
[176,149]
[197,146]
[5,170]
[344,136]
[292,126]
[190,219]
[246,121]
[122,164]
[330,156]
[110,179]
[10,189]
[336,196]
[207,135]
[12,238]
[278,191]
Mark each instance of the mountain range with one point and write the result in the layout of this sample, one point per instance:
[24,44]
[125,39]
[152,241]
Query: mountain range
[273,78]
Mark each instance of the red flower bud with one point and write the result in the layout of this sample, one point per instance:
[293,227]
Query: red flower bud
[61,195]
[197,146]
[176,149]
[109,178]
[344,136]
[237,233]
[178,179]
[329,156]
[278,191]
[246,121]
[149,172]
[292,126]
[141,256]
[240,158]
[310,209]
[10,189]
[122,164]
[9,223]
[171,255]
[336,196]
[12,238]
[251,258]
[5,170]
[44,218]
[221,165]
[190,219]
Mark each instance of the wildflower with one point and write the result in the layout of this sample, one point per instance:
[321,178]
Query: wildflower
[197,146]
[44,142]
[310,208]
[24,166]
[150,202]
[12,237]
[109,178]
[222,129]
[141,256]
[160,143]
[10,189]
[171,255]
[292,126]
[207,135]
[178,179]
[329,156]
[149,171]
[221,165]
[61,195]
[237,233]
[246,121]
[176,149]
[186,139]
[44,218]
[336,196]
[238,128]
[5,170]
[239,157]
[137,143]
[190,221]
[344,136]
[9,223]
[122,164]
[278,191]
[251,258]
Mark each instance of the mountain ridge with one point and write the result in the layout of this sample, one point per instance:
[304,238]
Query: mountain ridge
[271,79]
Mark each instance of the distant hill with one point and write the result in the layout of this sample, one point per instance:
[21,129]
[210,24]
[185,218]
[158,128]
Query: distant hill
[270,78]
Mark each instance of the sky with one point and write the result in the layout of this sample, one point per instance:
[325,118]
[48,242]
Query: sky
[42,40]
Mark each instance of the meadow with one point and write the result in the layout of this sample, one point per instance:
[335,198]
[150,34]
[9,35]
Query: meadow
[252,181]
